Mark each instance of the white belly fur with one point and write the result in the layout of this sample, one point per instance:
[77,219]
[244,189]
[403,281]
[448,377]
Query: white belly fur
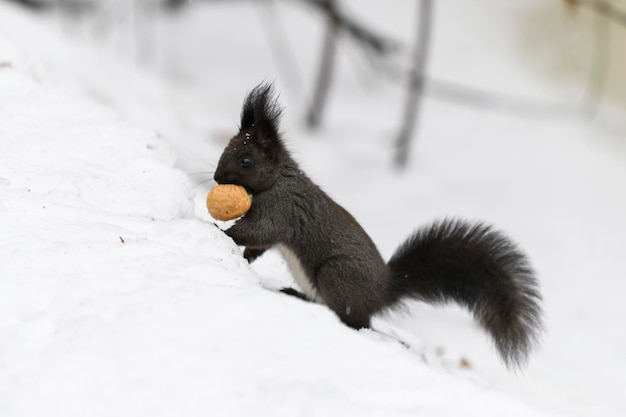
[301,278]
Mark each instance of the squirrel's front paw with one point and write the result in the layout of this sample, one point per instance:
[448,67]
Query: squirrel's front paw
[252,254]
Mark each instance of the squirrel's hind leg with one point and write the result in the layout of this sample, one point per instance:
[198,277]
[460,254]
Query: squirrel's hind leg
[350,319]
[296,293]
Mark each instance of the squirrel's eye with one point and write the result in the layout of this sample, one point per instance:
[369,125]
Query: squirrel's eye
[245,163]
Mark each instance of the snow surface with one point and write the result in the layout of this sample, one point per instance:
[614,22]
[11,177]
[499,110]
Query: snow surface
[118,295]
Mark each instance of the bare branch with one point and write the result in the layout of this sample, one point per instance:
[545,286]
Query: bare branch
[327,64]
[602,7]
[355,30]
[416,82]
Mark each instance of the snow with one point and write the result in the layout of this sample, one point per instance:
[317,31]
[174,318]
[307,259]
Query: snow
[119,296]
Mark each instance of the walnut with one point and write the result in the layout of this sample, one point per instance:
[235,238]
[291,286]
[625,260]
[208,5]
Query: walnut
[228,201]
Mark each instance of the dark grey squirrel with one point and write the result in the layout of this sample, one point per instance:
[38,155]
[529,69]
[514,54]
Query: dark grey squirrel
[336,263]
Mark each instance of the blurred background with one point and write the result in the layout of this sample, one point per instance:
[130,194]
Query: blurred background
[511,111]
[532,59]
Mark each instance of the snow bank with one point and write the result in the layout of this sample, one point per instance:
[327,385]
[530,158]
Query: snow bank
[115,299]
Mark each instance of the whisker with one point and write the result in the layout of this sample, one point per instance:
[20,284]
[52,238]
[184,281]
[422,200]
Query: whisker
[203,182]
[200,159]
[201,173]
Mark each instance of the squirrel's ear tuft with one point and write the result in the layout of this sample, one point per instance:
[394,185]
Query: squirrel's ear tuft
[260,107]
[261,114]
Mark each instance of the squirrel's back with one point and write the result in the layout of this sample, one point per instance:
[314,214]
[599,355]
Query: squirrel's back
[323,242]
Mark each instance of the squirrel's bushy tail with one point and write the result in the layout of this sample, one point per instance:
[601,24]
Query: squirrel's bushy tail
[479,268]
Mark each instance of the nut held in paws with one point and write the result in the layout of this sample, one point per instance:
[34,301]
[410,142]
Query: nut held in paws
[228,201]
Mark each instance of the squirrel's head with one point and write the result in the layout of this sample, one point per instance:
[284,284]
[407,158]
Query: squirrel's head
[253,155]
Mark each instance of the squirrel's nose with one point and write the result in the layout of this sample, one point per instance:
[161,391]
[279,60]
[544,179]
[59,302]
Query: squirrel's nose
[222,177]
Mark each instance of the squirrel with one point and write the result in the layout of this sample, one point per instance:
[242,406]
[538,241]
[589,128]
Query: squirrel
[336,263]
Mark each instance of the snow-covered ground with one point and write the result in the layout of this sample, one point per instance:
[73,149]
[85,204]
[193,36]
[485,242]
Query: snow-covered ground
[118,296]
